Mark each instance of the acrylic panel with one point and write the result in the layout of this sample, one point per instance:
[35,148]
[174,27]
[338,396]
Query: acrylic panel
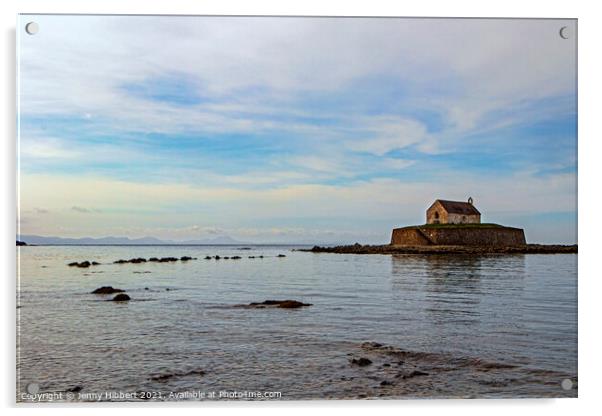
[295,208]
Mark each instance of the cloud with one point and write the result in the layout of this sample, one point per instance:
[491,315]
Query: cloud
[212,230]
[80,210]
[46,148]
[397,163]
[245,67]
[390,134]
[83,210]
[205,230]
[320,164]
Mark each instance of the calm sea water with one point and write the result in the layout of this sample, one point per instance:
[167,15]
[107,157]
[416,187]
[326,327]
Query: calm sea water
[494,326]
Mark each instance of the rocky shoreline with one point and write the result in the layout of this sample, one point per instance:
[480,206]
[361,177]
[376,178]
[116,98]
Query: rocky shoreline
[392,249]
[184,259]
[371,370]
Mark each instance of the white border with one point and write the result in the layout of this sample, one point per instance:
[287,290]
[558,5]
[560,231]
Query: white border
[589,194]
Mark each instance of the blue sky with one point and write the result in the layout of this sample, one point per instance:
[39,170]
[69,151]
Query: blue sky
[293,130]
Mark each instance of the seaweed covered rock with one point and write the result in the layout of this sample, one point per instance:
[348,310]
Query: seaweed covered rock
[166,376]
[138,260]
[106,290]
[122,297]
[286,304]
[362,361]
[83,264]
[167,259]
[134,260]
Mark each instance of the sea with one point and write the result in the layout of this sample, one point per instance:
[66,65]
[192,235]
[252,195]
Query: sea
[379,326]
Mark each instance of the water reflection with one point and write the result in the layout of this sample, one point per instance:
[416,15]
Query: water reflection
[456,294]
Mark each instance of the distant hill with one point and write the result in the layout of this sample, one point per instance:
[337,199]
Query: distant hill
[42,240]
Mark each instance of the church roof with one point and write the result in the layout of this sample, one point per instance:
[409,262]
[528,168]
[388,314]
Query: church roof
[457,207]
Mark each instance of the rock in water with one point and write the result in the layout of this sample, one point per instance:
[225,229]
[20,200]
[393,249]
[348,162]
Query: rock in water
[134,260]
[416,373]
[167,376]
[268,302]
[286,304]
[83,264]
[138,260]
[107,290]
[122,297]
[362,362]
[167,259]
[291,304]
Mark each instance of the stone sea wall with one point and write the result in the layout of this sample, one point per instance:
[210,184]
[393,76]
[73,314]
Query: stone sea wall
[449,236]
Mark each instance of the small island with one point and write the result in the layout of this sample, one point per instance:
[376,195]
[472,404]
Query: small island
[453,227]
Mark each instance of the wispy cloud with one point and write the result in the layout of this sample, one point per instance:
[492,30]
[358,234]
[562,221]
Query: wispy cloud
[47,149]
[388,133]
[83,210]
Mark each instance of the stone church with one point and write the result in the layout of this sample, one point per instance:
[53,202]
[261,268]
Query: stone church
[453,212]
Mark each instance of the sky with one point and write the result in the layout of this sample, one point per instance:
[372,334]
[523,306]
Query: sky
[289,130]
